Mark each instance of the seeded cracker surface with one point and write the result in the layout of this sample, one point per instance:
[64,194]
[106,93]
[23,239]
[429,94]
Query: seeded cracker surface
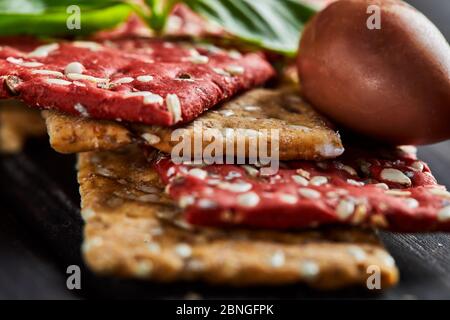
[303,133]
[133,230]
[143,80]
[389,189]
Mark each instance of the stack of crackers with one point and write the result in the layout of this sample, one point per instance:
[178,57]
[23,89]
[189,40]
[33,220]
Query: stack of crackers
[119,102]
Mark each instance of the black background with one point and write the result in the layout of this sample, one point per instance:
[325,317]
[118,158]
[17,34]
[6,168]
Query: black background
[34,254]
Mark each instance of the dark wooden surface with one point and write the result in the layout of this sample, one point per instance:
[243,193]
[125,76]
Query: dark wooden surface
[40,233]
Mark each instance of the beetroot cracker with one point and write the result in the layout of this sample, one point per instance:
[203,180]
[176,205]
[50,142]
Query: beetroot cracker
[389,189]
[145,81]
[132,229]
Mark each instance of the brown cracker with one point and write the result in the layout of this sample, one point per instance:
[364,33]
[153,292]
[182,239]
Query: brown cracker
[17,123]
[133,230]
[303,134]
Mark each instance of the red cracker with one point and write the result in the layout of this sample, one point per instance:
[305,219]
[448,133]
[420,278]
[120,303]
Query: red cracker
[197,77]
[351,190]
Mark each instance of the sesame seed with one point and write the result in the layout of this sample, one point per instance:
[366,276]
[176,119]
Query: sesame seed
[411,203]
[253,172]
[395,176]
[143,269]
[183,250]
[235,187]
[13,60]
[226,113]
[357,253]
[234,54]
[154,247]
[198,173]
[383,186]
[440,192]
[153,99]
[43,51]
[221,72]
[123,80]
[398,193]
[300,128]
[235,70]
[81,110]
[355,183]
[418,165]
[90,45]
[309,269]
[89,244]
[151,138]
[74,67]
[345,209]
[199,59]
[288,198]
[174,106]
[277,259]
[77,76]
[300,180]
[252,108]
[319,180]
[32,64]
[48,73]
[309,193]
[349,170]
[444,214]
[304,173]
[186,201]
[87,214]
[144,78]
[207,204]
[58,82]
[249,199]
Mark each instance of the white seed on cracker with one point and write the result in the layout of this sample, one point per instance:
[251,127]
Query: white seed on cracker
[300,180]
[319,180]
[277,259]
[249,199]
[77,76]
[288,198]
[355,183]
[143,269]
[123,80]
[252,171]
[444,214]
[144,78]
[398,193]
[221,72]
[153,247]
[81,110]
[174,105]
[87,214]
[198,173]
[309,193]
[411,203]
[418,165]
[60,82]
[43,51]
[309,270]
[357,253]
[183,250]
[90,45]
[345,209]
[48,73]
[235,70]
[198,59]
[235,187]
[383,186]
[440,192]
[74,67]
[151,138]
[395,176]
[207,204]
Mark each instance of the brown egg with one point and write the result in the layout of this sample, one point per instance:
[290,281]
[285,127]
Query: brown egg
[392,83]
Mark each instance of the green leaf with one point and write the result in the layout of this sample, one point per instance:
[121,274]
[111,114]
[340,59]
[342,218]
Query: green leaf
[271,24]
[160,11]
[49,17]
